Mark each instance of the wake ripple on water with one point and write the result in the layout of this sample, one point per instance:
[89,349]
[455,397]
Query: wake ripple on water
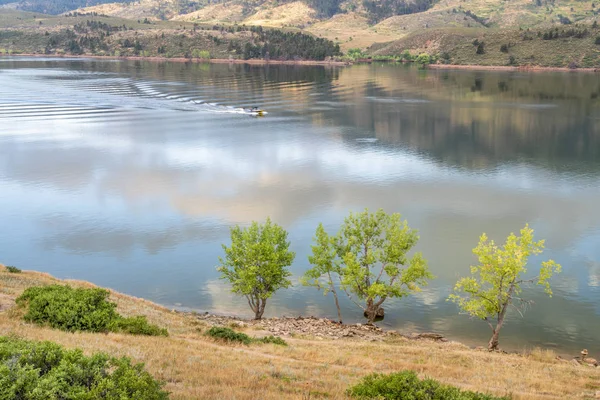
[94,95]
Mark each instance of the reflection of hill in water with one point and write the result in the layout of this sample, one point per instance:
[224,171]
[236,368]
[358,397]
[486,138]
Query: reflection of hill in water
[477,119]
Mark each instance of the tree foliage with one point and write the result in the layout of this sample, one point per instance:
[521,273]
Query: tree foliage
[279,45]
[381,9]
[497,282]
[321,275]
[256,263]
[371,259]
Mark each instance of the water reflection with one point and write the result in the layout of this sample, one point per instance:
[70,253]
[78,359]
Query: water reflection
[131,173]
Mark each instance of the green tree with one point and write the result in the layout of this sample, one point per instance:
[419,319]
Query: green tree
[324,267]
[496,283]
[256,263]
[423,59]
[371,259]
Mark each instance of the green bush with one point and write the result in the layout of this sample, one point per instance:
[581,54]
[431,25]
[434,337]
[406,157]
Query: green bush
[228,335]
[273,339]
[137,326]
[406,385]
[12,269]
[44,370]
[69,309]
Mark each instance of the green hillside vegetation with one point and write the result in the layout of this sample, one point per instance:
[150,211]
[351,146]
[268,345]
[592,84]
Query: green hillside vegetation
[78,34]
[573,46]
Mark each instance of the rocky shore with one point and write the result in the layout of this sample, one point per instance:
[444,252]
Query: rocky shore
[323,328]
[319,328]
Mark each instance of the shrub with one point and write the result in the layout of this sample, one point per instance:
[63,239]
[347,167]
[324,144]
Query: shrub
[504,48]
[480,48]
[228,335]
[44,370]
[274,340]
[12,269]
[406,385]
[137,326]
[69,309]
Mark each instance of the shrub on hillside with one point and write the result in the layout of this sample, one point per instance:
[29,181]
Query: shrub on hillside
[12,269]
[228,335]
[70,309]
[44,370]
[231,336]
[136,326]
[273,340]
[63,307]
[406,385]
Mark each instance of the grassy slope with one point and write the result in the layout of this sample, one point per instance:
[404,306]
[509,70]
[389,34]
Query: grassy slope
[22,33]
[196,367]
[458,43]
[445,27]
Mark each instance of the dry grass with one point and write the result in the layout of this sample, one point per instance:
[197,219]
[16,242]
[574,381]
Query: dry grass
[196,367]
[296,14]
[215,13]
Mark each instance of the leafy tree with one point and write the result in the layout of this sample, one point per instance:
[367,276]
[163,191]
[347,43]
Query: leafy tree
[256,263]
[324,267]
[423,59]
[496,283]
[371,259]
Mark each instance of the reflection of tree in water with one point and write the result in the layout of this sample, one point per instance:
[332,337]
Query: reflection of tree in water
[481,119]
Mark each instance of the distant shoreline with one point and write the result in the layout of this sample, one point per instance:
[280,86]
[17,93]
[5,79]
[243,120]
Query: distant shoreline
[186,60]
[472,67]
[524,68]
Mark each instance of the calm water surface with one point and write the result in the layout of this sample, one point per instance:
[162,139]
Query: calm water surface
[130,174]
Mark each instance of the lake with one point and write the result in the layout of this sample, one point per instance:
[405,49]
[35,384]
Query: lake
[130,174]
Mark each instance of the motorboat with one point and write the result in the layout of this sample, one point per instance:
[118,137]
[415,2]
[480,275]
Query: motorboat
[255,111]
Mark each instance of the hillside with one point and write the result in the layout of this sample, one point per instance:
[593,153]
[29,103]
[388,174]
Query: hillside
[445,29]
[78,34]
[197,367]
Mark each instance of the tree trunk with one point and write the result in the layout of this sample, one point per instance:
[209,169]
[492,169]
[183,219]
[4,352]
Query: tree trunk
[260,310]
[493,343]
[371,312]
[337,305]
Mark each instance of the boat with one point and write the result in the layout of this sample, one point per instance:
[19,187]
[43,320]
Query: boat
[255,111]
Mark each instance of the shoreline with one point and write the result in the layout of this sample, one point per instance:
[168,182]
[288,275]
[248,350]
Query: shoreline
[467,67]
[321,328]
[188,60]
[522,68]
